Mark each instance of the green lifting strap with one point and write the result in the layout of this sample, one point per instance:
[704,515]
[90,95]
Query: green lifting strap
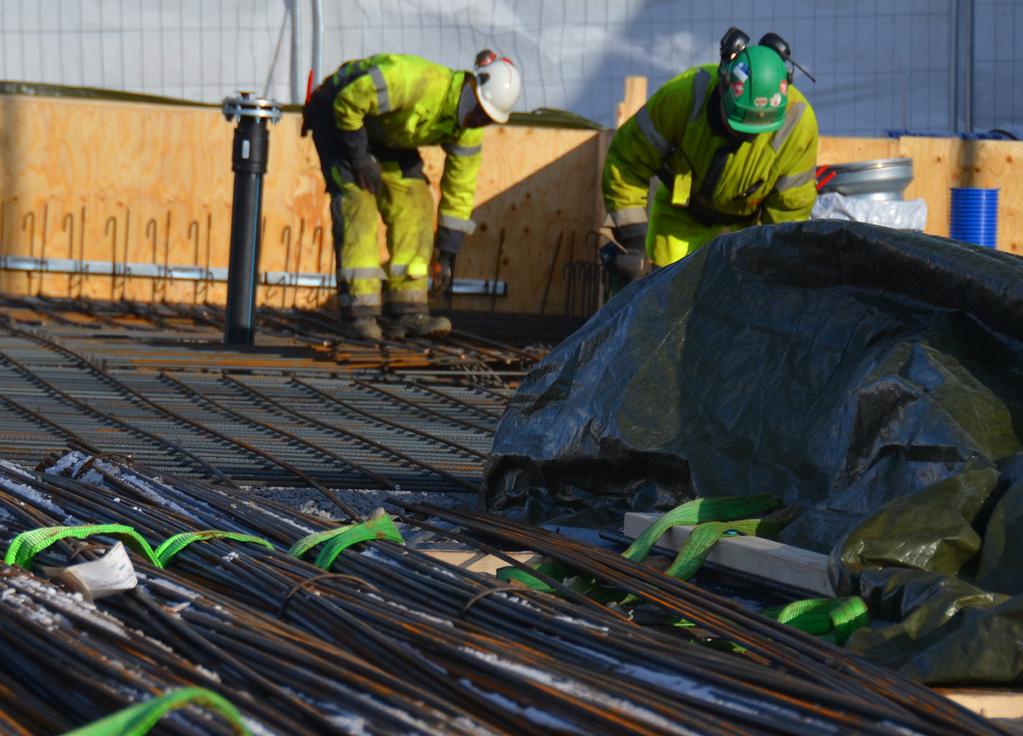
[27,545]
[705,536]
[306,543]
[702,540]
[697,511]
[694,552]
[171,546]
[834,617]
[138,719]
[342,537]
[380,528]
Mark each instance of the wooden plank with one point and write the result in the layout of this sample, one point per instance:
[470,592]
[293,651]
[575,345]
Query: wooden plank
[84,179]
[935,170]
[478,561]
[1000,164]
[764,558]
[988,703]
[844,150]
[635,98]
[536,189]
[144,183]
[129,182]
[940,164]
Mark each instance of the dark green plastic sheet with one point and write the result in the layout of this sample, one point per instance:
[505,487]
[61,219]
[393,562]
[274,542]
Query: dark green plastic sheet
[871,377]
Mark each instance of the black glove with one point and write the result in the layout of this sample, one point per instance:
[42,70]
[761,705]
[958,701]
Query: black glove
[449,241]
[627,259]
[632,238]
[443,272]
[367,172]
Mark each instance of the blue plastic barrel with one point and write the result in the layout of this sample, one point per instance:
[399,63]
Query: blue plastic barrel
[975,216]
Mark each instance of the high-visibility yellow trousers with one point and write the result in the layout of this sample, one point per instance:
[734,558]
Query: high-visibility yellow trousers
[674,233]
[366,284]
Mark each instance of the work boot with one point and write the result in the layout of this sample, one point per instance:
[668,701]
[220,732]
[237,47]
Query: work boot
[366,328]
[392,330]
[421,324]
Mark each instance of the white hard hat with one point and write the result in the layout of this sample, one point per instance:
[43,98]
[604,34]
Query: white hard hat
[498,85]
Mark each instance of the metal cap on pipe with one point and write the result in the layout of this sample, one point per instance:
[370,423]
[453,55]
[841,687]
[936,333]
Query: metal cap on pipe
[246,105]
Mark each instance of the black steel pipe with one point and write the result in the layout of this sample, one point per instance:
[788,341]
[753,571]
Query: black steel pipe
[249,155]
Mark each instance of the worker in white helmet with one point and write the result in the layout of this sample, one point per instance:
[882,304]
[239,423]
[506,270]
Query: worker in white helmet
[368,119]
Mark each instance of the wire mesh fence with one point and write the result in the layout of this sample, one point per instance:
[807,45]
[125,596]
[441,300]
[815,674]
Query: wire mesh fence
[191,49]
[921,65]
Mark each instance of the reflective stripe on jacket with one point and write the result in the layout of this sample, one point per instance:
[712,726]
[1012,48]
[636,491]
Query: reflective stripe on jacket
[405,101]
[770,178]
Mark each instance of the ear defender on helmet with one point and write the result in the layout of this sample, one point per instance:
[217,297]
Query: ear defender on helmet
[781,47]
[733,43]
[484,57]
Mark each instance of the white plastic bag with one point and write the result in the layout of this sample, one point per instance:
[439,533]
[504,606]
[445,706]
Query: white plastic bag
[898,214]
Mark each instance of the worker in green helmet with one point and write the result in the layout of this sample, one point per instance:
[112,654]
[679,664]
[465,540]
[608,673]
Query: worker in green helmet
[733,145]
[368,119]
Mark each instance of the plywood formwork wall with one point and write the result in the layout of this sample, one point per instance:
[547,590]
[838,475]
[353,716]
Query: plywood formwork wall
[942,163]
[108,181]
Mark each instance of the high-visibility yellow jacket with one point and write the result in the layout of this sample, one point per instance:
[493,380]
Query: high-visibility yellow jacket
[405,101]
[767,180]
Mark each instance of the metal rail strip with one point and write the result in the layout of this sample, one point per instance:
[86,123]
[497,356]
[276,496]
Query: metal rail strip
[172,273]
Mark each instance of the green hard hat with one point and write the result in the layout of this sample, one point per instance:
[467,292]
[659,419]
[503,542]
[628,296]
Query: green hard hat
[756,91]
